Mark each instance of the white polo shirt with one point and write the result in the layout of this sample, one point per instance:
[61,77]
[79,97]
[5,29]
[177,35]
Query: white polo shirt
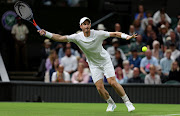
[66,76]
[92,46]
[69,63]
[20,31]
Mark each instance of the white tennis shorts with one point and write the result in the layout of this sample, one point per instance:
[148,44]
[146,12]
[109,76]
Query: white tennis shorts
[98,72]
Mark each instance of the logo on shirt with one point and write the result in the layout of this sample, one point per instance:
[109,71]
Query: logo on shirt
[8,19]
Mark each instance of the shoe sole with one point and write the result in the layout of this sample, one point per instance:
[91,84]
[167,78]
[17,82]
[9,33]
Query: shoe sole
[114,107]
[131,110]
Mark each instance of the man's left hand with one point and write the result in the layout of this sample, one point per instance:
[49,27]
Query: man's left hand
[132,36]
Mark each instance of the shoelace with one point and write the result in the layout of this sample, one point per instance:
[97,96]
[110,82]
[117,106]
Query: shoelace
[109,105]
[128,104]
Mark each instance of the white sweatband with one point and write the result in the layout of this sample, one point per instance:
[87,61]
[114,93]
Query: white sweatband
[124,36]
[48,35]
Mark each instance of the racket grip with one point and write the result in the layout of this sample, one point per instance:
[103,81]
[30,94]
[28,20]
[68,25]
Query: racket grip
[38,27]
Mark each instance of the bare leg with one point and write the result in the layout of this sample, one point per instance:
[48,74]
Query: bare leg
[120,91]
[104,94]
[117,87]
[102,91]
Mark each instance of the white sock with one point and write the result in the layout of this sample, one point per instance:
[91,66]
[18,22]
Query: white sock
[125,98]
[110,100]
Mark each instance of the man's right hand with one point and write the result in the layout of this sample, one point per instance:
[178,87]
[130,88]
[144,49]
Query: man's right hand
[42,32]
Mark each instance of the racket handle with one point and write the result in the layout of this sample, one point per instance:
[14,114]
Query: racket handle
[38,27]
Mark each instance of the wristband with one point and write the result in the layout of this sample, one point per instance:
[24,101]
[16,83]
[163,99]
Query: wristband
[124,36]
[48,35]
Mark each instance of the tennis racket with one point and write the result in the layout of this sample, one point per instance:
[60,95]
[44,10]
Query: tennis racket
[24,11]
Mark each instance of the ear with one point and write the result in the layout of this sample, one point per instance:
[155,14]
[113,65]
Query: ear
[80,26]
[90,25]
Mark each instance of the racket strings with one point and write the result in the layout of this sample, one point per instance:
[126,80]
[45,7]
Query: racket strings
[23,10]
[29,17]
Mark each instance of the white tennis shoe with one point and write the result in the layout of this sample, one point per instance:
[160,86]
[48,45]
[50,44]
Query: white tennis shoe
[111,107]
[129,106]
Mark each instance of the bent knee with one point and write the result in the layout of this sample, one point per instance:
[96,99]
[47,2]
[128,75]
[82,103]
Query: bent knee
[113,83]
[100,88]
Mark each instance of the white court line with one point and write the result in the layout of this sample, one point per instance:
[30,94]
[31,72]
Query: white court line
[3,72]
[167,115]
[173,115]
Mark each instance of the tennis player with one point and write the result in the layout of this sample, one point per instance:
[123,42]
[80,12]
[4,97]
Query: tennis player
[90,42]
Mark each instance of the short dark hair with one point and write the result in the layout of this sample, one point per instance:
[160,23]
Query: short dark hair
[172,44]
[68,49]
[133,50]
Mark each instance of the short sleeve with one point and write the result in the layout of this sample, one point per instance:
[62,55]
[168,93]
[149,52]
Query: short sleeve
[72,38]
[53,77]
[103,34]
[26,29]
[156,62]
[67,77]
[142,64]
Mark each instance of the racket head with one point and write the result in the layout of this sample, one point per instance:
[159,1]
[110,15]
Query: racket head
[23,10]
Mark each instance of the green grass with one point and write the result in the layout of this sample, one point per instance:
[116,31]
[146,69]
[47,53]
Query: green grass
[84,109]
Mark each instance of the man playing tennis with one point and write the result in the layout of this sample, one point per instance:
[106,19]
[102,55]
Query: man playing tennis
[90,42]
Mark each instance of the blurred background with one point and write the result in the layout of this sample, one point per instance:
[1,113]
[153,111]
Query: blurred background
[30,57]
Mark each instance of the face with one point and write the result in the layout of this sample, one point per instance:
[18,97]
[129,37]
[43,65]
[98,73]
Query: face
[136,72]
[56,62]
[118,54]
[54,55]
[134,54]
[148,54]
[149,28]
[104,43]
[68,52]
[168,55]
[173,36]
[86,26]
[167,25]
[141,8]
[163,31]
[117,27]
[163,19]
[172,48]
[137,23]
[68,45]
[152,70]
[126,66]
[153,35]
[115,45]
[47,45]
[150,22]
[60,69]
[156,46]
[131,29]
[80,68]
[175,65]
[139,38]
[19,21]
[119,72]
[149,14]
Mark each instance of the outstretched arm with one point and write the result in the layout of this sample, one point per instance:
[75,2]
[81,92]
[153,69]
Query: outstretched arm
[122,35]
[55,37]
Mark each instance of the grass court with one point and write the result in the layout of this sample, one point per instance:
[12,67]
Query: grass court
[85,109]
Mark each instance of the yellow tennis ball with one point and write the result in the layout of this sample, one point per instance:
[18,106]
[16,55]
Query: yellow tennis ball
[144,48]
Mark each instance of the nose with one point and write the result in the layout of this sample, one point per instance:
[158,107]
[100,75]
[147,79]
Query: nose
[86,26]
